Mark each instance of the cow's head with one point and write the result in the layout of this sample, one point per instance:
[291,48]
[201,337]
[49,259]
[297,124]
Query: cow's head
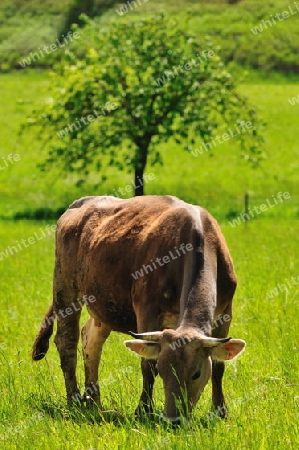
[184,362]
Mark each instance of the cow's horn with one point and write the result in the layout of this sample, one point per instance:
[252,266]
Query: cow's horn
[212,342]
[150,336]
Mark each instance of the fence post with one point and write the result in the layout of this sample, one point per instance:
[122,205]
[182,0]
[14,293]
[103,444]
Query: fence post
[246,206]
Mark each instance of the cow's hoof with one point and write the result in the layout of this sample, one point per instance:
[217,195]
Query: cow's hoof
[92,402]
[173,422]
[220,411]
[75,399]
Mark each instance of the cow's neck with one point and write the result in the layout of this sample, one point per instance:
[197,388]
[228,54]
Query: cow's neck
[198,307]
[199,316]
[199,291]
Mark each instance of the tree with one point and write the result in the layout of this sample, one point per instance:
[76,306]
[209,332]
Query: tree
[135,86]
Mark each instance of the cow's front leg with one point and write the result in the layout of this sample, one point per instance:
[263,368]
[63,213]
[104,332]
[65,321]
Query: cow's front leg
[149,373]
[146,321]
[217,392]
[220,331]
[94,335]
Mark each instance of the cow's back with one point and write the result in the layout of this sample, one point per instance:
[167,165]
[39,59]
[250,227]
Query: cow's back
[104,245]
[103,241]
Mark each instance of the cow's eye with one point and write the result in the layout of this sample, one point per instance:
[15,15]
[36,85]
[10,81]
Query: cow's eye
[196,375]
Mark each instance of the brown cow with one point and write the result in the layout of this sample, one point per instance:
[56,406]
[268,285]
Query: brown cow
[151,265]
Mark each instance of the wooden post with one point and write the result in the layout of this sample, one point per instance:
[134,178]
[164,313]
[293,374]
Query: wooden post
[246,206]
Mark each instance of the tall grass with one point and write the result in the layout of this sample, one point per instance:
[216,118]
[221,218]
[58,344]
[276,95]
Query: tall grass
[261,386]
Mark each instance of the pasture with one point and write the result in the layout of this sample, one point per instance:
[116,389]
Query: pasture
[261,386]
[217,179]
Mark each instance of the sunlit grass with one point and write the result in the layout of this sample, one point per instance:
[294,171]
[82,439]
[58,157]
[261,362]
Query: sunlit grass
[217,182]
[261,386]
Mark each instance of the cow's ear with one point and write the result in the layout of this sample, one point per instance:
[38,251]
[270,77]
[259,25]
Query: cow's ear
[228,350]
[146,349]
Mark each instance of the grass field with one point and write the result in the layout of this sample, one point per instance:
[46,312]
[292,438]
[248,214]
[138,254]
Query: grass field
[261,387]
[217,182]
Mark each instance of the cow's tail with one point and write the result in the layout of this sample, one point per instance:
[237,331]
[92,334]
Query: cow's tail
[41,343]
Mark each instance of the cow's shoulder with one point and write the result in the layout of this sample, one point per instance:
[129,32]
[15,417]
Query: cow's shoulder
[164,217]
[210,228]
[215,240]
[79,213]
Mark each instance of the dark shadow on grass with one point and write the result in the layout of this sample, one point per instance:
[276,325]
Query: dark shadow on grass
[231,214]
[43,213]
[91,414]
[76,413]
[209,423]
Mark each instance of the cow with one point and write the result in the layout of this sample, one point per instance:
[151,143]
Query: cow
[153,267]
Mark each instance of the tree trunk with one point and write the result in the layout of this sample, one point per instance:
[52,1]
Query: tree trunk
[139,188]
[141,158]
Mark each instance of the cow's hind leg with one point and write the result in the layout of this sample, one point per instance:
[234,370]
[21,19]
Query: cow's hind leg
[220,331]
[66,340]
[94,335]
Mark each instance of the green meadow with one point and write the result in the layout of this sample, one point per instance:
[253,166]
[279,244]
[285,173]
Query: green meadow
[261,386]
[217,179]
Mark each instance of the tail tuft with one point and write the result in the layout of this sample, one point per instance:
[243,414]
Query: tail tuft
[41,343]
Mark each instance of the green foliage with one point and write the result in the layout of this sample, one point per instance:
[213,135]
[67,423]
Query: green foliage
[165,84]
[275,47]
[26,25]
